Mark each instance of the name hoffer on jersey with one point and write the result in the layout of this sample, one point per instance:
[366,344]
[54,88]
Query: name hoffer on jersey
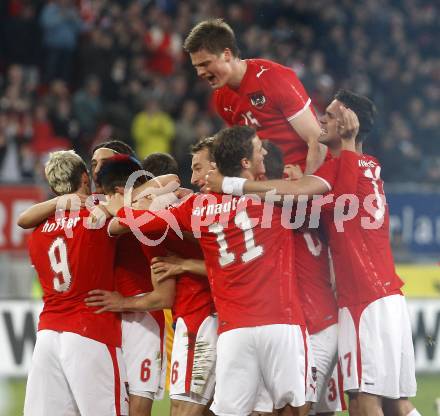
[71,260]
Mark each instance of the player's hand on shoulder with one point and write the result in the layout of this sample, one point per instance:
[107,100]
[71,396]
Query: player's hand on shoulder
[167,267]
[214,181]
[105,300]
[347,125]
[114,203]
[293,172]
[98,216]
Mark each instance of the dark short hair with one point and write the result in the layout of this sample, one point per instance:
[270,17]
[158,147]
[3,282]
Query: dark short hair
[273,161]
[116,170]
[231,145]
[363,107]
[116,145]
[204,143]
[160,164]
[213,35]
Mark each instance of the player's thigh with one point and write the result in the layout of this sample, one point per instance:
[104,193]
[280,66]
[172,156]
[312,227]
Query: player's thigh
[325,346]
[92,371]
[386,349]
[286,363]
[375,348]
[47,390]
[192,375]
[143,354]
[237,372]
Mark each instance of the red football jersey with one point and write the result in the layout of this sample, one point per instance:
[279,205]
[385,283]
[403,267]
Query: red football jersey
[68,268]
[362,257]
[269,97]
[193,294]
[132,269]
[251,269]
[314,284]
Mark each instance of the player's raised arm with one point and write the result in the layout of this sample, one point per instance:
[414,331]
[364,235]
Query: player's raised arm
[307,185]
[306,125]
[36,214]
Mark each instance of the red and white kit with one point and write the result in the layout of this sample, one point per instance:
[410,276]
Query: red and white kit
[375,331]
[75,347]
[321,314]
[256,299]
[193,357]
[269,97]
[143,333]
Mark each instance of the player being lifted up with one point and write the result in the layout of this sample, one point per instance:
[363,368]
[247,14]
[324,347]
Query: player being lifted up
[256,300]
[256,92]
[375,344]
[75,348]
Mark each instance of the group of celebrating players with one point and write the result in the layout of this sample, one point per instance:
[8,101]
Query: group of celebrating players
[271,315]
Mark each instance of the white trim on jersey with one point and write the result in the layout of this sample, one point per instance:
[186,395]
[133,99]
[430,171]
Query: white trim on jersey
[298,113]
[323,180]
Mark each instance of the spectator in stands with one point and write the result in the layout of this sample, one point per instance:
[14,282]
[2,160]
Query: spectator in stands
[152,129]
[61,26]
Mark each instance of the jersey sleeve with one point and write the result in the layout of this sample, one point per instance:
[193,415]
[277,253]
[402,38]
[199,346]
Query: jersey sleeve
[146,221]
[287,92]
[348,174]
[328,173]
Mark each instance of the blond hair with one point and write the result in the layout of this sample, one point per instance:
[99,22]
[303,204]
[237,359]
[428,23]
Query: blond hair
[63,171]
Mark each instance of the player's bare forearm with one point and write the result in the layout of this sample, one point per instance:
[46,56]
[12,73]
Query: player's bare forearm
[315,156]
[195,266]
[37,213]
[107,301]
[308,128]
[308,185]
[116,228]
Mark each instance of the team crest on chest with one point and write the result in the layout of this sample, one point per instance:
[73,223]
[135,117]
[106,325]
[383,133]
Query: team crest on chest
[257,99]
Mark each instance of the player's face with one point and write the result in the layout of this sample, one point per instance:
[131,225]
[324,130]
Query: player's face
[213,68]
[329,123]
[257,162]
[98,158]
[200,166]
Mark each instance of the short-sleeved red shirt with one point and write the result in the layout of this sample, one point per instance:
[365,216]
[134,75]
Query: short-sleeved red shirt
[68,268]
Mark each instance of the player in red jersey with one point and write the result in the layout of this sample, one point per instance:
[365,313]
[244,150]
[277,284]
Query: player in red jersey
[193,356]
[375,346]
[75,348]
[142,334]
[173,266]
[317,300]
[259,313]
[256,92]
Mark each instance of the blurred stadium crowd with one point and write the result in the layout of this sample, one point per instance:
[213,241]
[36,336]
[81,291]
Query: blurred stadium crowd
[73,73]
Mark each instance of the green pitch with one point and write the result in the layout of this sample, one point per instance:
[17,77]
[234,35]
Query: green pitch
[12,396]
